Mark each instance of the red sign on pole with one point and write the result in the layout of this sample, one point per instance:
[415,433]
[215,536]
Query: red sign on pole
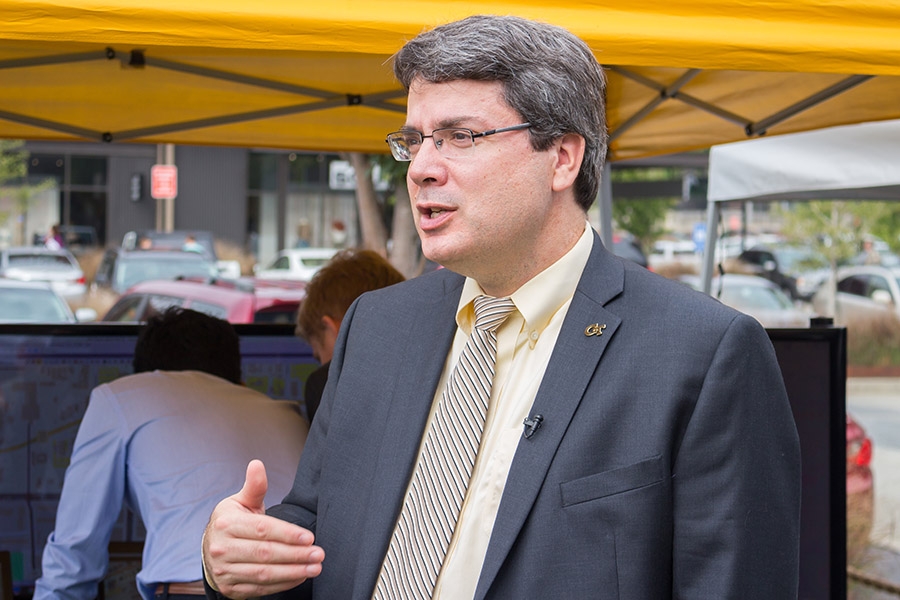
[163,181]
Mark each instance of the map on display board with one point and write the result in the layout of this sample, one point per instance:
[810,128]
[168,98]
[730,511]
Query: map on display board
[46,377]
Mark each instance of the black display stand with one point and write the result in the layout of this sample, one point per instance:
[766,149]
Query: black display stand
[814,364]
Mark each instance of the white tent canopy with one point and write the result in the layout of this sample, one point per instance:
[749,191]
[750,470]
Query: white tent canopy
[852,161]
[841,163]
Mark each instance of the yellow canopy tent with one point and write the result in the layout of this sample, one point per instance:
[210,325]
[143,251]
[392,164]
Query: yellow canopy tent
[683,74]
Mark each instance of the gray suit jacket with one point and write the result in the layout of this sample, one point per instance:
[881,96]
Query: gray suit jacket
[667,465]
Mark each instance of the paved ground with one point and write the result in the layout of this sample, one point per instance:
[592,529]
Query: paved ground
[875,402]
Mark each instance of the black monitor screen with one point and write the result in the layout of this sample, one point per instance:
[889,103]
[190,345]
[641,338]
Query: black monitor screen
[47,373]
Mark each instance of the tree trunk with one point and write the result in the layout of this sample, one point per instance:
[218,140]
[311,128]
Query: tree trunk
[405,247]
[372,227]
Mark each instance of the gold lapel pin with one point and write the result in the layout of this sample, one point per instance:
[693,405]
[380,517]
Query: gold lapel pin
[595,329]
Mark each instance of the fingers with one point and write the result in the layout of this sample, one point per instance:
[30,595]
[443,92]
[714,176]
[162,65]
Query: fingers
[248,553]
[232,521]
[274,568]
[256,484]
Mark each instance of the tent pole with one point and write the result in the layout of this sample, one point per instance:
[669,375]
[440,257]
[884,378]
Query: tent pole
[709,245]
[606,206]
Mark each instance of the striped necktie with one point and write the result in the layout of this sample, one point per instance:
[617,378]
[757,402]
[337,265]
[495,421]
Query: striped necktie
[439,482]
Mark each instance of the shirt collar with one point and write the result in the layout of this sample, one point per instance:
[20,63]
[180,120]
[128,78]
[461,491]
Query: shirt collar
[543,295]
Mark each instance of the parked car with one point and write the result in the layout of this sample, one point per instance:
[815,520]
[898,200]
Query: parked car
[58,268]
[755,296]
[36,302]
[171,240]
[120,269]
[798,270]
[675,246]
[298,264]
[232,301]
[628,247]
[860,489]
[862,291]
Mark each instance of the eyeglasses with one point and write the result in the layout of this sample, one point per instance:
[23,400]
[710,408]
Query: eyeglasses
[452,142]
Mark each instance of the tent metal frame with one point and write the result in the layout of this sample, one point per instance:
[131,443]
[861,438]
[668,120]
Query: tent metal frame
[324,99]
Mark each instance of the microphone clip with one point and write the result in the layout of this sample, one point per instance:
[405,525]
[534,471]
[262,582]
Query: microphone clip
[532,424]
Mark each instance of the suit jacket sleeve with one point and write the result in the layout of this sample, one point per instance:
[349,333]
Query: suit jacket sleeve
[736,478]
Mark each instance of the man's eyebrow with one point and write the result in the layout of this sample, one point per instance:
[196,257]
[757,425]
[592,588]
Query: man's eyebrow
[456,121]
[448,123]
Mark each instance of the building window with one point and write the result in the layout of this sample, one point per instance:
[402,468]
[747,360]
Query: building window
[78,190]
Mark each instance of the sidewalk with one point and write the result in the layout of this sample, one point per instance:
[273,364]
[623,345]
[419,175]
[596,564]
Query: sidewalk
[879,396]
[880,565]
[873,385]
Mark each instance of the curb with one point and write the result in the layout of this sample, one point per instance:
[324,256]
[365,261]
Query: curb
[881,385]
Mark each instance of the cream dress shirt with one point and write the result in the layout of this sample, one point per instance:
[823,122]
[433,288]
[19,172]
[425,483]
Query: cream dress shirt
[525,342]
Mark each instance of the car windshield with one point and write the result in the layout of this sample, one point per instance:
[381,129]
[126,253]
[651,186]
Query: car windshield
[42,261]
[751,296]
[214,310]
[134,270]
[793,259]
[32,306]
[307,261]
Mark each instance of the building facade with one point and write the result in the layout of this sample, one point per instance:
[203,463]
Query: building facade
[256,201]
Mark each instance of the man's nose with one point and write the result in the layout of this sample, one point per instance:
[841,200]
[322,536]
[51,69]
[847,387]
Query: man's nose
[426,163]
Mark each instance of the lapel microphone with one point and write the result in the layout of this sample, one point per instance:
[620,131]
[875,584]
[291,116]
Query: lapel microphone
[532,424]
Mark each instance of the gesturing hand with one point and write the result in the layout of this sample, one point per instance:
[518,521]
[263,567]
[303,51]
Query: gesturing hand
[247,553]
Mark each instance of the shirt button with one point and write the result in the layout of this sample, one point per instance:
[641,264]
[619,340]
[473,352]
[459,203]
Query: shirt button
[534,335]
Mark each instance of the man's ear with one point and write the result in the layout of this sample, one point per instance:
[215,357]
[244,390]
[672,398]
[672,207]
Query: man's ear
[569,155]
[330,325]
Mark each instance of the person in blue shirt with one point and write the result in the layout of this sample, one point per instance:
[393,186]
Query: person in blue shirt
[192,245]
[168,442]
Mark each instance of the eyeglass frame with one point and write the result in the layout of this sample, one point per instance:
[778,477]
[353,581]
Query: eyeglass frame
[472,134]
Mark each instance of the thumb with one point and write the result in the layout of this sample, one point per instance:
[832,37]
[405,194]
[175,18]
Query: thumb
[252,495]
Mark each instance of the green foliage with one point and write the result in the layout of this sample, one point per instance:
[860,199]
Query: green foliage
[391,170]
[15,190]
[13,161]
[13,169]
[840,226]
[881,219]
[644,218]
[827,225]
[646,174]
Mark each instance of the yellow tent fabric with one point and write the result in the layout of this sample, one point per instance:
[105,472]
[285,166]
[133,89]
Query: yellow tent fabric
[684,74]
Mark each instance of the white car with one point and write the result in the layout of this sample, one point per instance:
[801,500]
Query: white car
[36,302]
[296,264]
[757,297]
[58,268]
[862,291]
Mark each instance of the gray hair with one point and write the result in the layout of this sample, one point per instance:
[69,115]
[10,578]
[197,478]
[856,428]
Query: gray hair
[549,76]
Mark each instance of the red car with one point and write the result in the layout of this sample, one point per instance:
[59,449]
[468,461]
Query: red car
[234,301]
[860,490]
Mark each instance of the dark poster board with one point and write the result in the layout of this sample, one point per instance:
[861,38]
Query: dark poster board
[69,361]
[46,375]
[814,365]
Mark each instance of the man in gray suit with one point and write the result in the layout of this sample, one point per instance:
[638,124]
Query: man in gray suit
[638,441]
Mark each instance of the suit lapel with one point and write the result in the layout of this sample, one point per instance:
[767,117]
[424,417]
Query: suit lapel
[422,352]
[571,368]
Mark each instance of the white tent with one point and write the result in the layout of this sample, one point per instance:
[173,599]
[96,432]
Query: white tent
[841,163]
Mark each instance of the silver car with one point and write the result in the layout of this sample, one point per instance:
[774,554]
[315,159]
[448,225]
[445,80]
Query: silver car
[296,264]
[757,297]
[36,302]
[862,291]
[57,268]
